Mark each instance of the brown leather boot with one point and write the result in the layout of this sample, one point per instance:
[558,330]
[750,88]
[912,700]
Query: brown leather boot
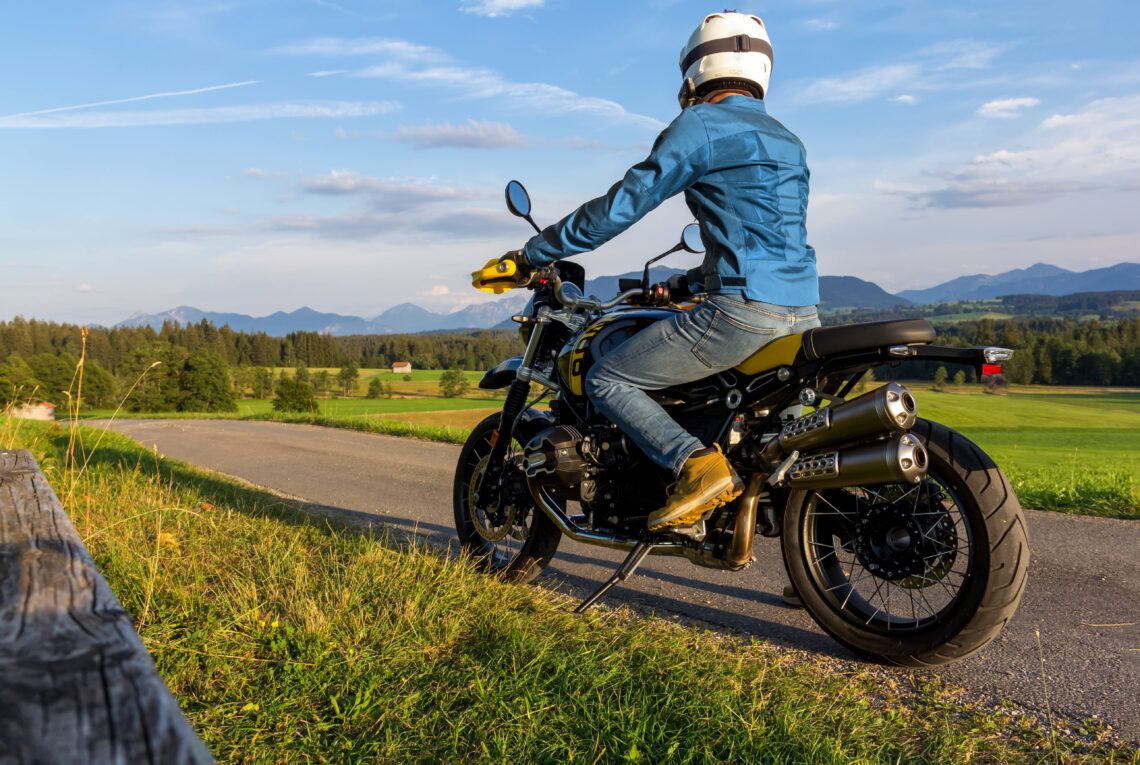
[706,482]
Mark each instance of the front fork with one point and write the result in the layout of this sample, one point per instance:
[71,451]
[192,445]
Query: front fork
[512,408]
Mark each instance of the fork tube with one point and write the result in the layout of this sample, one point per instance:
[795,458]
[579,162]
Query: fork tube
[516,396]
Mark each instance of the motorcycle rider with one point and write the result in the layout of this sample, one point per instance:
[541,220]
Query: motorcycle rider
[745,178]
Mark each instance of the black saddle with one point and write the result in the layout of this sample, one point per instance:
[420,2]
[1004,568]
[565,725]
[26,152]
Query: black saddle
[830,341]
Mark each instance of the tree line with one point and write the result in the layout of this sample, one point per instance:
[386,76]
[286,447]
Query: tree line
[199,367]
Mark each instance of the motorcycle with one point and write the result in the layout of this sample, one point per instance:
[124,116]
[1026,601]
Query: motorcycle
[903,540]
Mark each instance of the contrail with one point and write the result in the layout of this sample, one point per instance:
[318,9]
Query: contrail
[169,94]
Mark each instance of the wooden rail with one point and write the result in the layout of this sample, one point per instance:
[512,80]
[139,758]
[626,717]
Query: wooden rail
[76,682]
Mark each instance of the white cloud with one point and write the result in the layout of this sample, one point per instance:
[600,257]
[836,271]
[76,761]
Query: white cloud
[204,116]
[134,99]
[359,46]
[257,172]
[906,99]
[495,8]
[85,287]
[326,73]
[473,135]
[480,83]
[439,290]
[1006,108]
[821,25]
[408,62]
[1096,149]
[386,193]
[928,70]
[861,85]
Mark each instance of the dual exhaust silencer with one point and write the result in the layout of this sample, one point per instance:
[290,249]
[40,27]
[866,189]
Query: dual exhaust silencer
[826,438]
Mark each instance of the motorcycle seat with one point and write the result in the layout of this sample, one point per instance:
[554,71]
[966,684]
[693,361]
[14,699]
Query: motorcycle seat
[829,341]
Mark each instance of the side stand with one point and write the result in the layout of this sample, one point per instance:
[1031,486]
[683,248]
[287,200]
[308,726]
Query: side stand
[625,571]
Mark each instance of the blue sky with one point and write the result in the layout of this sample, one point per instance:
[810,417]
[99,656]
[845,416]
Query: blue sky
[261,155]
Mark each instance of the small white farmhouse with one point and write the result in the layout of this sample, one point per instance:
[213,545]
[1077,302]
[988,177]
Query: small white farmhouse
[402,368]
[33,410]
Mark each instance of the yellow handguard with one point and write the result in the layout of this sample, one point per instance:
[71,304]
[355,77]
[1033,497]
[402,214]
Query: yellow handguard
[496,276]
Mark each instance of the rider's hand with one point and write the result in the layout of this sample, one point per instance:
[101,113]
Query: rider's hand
[522,266]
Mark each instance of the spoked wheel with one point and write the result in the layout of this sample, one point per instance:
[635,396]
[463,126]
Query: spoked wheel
[917,574]
[506,533]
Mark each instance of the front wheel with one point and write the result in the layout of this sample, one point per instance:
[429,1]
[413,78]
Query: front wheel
[507,535]
[921,574]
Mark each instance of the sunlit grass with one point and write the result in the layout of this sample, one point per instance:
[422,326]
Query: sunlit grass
[290,639]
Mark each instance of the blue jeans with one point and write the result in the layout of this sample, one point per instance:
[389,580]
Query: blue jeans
[718,334]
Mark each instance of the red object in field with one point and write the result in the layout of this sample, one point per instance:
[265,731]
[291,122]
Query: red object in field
[991,369]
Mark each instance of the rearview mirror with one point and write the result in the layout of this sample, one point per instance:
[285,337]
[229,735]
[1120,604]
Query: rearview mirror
[518,200]
[691,239]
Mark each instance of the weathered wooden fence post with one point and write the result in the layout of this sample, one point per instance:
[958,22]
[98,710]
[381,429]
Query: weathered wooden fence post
[76,683]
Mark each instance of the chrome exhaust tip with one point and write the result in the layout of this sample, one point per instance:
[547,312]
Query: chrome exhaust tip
[899,459]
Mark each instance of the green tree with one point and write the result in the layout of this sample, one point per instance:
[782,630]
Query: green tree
[293,395]
[960,377]
[302,373]
[17,380]
[321,382]
[204,384]
[262,382]
[940,376]
[375,388]
[453,383]
[347,378]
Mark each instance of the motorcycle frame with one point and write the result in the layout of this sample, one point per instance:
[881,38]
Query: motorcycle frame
[772,390]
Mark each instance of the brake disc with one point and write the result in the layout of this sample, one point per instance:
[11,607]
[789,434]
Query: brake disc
[495,520]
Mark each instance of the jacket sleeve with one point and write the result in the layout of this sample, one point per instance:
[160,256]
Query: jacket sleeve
[680,156]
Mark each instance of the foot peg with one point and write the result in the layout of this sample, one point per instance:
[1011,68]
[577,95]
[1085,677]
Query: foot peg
[624,571]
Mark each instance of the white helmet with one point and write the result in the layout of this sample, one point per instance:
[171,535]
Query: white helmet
[728,49]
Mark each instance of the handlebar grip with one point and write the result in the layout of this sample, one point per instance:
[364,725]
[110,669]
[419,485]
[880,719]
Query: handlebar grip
[628,284]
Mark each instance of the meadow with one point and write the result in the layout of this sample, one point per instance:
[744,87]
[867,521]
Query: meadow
[1073,450]
[289,638]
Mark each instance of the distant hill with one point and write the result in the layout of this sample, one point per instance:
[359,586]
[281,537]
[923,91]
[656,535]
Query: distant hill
[1039,279]
[404,318]
[836,292]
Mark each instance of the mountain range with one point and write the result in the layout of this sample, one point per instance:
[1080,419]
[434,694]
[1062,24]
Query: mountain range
[836,292]
[1038,279]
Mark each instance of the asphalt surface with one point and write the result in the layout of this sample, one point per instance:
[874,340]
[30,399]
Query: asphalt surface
[1083,596]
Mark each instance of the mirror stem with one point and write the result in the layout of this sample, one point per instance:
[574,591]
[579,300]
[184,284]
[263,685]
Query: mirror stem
[645,275]
[530,220]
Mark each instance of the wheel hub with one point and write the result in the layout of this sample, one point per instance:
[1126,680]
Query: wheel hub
[907,545]
[495,518]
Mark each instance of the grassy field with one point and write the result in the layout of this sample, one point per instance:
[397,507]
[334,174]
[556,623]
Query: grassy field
[290,639]
[1072,450]
[1075,451]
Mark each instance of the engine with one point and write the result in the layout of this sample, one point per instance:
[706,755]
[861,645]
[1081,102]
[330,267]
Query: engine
[573,465]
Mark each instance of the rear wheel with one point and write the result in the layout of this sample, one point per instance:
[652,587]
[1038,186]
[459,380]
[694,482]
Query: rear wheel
[920,574]
[507,535]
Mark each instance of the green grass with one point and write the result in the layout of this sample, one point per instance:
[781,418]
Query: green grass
[1074,452]
[950,318]
[1071,452]
[289,639]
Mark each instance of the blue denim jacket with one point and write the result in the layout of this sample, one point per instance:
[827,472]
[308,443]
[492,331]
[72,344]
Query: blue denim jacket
[745,178]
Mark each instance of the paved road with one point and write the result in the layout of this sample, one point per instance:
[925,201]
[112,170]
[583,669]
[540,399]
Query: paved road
[1083,593]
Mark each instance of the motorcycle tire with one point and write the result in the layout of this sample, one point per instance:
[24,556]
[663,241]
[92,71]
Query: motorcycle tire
[509,558]
[833,547]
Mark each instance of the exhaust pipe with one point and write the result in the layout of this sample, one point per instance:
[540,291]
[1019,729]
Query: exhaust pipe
[889,409]
[899,459]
